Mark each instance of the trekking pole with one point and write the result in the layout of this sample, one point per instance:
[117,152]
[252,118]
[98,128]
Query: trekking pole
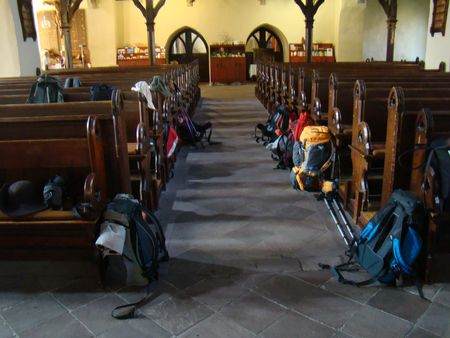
[336,220]
[343,217]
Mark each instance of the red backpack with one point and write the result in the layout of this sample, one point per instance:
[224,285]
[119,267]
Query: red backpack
[303,121]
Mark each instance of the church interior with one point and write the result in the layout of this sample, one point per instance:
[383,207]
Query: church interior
[224,168]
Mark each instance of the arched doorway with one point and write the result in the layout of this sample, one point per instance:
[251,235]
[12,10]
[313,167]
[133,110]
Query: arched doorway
[188,45]
[265,44]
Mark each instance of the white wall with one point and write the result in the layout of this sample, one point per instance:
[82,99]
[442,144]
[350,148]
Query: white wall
[438,47]
[10,65]
[19,58]
[349,31]
[102,32]
[411,30]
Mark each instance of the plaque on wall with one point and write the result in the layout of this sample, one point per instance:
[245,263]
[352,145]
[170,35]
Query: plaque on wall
[26,19]
[440,9]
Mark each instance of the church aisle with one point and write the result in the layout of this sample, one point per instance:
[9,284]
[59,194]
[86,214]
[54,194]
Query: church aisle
[244,250]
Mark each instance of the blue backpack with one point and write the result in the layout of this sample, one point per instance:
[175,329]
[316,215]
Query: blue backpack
[72,82]
[389,245]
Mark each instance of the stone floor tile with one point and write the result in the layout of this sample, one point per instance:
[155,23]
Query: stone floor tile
[253,312]
[443,296]
[217,326]
[277,264]
[418,332]
[313,277]
[63,326]
[97,314]
[250,279]
[16,289]
[293,325]
[79,293]
[309,300]
[177,313]
[360,294]
[162,291]
[339,334]
[400,303]
[184,273]
[215,292]
[436,319]
[29,314]
[5,330]
[136,327]
[429,291]
[370,322]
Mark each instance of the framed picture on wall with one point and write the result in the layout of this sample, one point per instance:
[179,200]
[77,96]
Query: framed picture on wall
[26,19]
[440,9]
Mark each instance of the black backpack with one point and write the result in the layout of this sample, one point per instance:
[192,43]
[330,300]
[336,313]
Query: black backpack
[191,132]
[145,245]
[46,89]
[101,92]
[278,120]
[439,160]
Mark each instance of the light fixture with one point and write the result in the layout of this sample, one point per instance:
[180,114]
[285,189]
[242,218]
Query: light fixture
[262,2]
[190,3]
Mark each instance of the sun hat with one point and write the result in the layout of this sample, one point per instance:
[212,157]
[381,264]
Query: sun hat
[21,198]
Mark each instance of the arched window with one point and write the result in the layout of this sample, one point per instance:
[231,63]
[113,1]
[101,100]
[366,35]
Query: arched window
[263,38]
[188,45]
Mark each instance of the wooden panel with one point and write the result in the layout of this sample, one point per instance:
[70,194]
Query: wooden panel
[440,9]
[26,19]
[228,69]
[53,153]
[48,31]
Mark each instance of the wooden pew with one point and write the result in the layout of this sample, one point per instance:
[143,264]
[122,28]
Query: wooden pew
[429,126]
[382,135]
[80,141]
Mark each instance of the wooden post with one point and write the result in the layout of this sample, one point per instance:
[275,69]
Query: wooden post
[150,12]
[65,10]
[309,25]
[65,27]
[309,9]
[390,9]
[151,42]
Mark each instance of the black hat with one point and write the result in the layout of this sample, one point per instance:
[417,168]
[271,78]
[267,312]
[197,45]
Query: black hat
[20,198]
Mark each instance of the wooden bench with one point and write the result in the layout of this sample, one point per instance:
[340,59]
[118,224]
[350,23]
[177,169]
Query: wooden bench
[382,135]
[429,126]
[81,142]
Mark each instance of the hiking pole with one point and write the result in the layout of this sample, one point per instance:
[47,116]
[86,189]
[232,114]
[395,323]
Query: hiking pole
[336,221]
[344,219]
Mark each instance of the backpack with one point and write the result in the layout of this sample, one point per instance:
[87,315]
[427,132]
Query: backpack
[101,92]
[439,160]
[46,89]
[138,233]
[72,82]
[390,243]
[191,132]
[316,156]
[302,121]
[282,149]
[279,120]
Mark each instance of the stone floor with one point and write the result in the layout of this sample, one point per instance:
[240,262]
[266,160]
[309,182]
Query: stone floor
[244,251]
